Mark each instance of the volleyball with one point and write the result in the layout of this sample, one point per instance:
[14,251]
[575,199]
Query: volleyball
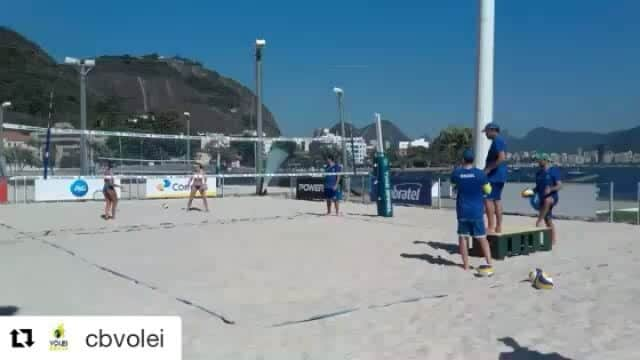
[165,206]
[485,271]
[533,275]
[543,281]
[534,201]
[526,193]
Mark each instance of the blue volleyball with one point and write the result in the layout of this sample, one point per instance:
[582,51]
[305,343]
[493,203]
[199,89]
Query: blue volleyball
[535,202]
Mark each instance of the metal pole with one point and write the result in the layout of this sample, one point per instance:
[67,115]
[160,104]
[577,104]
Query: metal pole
[484,91]
[638,206]
[83,120]
[258,155]
[439,193]
[188,141]
[343,143]
[611,207]
[120,145]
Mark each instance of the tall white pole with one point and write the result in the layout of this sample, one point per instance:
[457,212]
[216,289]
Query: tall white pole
[484,91]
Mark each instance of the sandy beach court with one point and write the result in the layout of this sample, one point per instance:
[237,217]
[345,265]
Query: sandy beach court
[266,278]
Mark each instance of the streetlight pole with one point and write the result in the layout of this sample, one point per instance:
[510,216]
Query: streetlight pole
[187,115]
[260,44]
[3,106]
[84,66]
[340,94]
[484,91]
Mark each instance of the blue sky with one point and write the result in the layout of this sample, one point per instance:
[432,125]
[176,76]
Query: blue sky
[569,64]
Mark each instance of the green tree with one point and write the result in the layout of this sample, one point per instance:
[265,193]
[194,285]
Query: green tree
[447,148]
[20,157]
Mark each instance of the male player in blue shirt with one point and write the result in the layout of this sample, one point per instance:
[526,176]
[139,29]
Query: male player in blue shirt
[331,185]
[496,170]
[547,186]
[471,185]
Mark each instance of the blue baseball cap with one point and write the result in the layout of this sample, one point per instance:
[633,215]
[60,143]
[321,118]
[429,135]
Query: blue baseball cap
[468,156]
[491,126]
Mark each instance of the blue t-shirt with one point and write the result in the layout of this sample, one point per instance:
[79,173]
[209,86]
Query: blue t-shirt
[330,180]
[499,174]
[470,200]
[547,177]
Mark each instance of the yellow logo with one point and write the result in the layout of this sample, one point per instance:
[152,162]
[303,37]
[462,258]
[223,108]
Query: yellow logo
[58,343]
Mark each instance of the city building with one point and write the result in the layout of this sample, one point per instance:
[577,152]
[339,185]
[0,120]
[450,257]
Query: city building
[359,150]
[404,146]
[608,157]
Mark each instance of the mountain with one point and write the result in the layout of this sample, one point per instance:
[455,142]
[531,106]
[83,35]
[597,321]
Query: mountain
[121,87]
[390,132]
[550,140]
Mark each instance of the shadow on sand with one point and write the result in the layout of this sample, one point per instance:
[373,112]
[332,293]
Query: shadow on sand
[523,353]
[450,248]
[8,310]
[431,259]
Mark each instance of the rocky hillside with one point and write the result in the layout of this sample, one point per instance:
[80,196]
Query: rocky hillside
[122,87]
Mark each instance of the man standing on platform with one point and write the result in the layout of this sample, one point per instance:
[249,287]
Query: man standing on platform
[331,185]
[496,170]
[471,185]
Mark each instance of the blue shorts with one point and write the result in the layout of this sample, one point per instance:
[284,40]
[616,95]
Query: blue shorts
[331,194]
[496,191]
[472,228]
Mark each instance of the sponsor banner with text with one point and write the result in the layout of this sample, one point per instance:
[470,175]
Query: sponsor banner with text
[310,188]
[407,189]
[70,189]
[91,337]
[175,187]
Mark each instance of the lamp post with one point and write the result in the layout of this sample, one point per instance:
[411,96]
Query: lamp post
[260,44]
[187,116]
[340,95]
[484,91]
[4,105]
[84,66]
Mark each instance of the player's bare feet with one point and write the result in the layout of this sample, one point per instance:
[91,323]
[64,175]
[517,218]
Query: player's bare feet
[539,223]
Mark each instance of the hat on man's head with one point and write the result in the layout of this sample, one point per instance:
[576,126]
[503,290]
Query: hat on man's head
[468,156]
[491,126]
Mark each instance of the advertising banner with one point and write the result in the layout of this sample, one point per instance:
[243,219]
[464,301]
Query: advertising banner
[174,187]
[407,189]
[310,188]
[70,189]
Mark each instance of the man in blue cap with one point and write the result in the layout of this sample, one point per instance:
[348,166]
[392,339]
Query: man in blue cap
[496,170]
[471,185]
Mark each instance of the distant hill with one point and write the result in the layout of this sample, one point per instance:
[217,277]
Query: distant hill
[550,140]
[390,132]
[120,87]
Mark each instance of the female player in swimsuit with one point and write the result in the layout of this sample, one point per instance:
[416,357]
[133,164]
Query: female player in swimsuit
[110,194]
[198,183]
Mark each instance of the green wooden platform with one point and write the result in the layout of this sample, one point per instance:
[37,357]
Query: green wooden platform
[516,242]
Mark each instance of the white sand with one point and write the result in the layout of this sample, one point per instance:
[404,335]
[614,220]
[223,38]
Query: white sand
[262,262]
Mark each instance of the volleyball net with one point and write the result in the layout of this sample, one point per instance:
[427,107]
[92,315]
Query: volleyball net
[137,156]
